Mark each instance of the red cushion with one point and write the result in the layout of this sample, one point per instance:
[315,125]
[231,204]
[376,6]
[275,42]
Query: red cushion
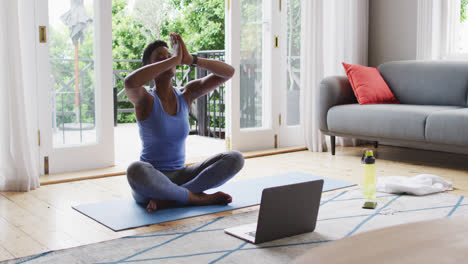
[368,85]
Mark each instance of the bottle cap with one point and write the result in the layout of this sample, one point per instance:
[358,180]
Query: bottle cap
[368,157]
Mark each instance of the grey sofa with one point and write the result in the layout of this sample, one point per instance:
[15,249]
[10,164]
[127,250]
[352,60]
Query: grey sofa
[432,112]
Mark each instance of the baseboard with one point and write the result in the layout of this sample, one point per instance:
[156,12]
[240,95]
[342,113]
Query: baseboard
[121,170]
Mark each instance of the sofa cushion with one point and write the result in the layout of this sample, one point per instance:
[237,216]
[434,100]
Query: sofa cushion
[394,121]
[427,82]
[448,127]
[368,85]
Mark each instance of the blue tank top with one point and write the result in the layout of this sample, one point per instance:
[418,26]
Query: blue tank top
[163,136]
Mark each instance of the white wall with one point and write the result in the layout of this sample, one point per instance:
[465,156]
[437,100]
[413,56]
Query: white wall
[392,30]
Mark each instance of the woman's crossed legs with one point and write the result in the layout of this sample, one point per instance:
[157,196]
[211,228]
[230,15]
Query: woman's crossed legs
[159,189]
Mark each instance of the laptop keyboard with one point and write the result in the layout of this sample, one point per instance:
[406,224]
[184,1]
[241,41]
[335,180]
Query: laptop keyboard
[252,234]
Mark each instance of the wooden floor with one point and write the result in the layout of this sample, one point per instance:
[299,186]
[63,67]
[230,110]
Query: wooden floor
[43,219]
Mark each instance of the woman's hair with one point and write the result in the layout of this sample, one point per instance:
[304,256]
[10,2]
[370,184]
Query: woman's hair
[149,50]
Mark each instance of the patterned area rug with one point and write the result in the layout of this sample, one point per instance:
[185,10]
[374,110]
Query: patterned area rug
[340,216]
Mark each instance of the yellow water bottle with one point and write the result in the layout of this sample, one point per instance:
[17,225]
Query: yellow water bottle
[368,189]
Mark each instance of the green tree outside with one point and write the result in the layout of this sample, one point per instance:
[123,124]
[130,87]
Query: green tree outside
[463,14]
[62,54]
[200,23]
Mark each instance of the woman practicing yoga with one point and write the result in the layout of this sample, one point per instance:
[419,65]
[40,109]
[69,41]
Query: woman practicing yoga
[160,179]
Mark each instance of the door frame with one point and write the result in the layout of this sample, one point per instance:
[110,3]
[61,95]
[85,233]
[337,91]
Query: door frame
[275,132]
[288,135]
[246,139]
[83,157]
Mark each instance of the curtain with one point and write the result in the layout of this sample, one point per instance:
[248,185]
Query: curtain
[450,26]
[437,28]
[333,31]
[18,153]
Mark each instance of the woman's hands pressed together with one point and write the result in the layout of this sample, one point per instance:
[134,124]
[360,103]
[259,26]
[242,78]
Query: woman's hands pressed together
[176,46]
[186,59]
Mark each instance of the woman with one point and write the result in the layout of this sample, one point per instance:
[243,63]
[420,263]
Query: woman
[160,179]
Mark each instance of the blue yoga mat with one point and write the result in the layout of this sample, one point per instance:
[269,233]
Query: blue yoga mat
[126,213]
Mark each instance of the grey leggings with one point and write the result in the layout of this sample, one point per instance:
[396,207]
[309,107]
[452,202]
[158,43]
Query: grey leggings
[149,183]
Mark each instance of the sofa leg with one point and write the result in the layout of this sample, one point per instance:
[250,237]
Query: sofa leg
[332,141]
[376,144]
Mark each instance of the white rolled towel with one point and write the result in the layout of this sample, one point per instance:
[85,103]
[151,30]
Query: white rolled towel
[421,184]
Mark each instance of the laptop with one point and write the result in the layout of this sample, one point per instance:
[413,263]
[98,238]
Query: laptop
[286,210]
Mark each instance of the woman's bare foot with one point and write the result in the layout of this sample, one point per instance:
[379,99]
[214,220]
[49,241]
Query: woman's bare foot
[156,204]
[207,199]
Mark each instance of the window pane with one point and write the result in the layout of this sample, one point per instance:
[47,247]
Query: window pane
[72,66]
[251,86]
[293,62]
[462,39]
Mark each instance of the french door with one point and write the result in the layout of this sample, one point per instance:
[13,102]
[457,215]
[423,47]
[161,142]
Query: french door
[74,69]
[291,129]
[263,109]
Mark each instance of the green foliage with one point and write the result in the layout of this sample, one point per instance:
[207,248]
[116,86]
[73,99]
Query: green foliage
[127,40]
[126,118]
[199,22]
[128,43]
[463,11]
[62,54]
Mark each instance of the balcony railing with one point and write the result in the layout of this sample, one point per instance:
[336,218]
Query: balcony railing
[72,110]
[76,110]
